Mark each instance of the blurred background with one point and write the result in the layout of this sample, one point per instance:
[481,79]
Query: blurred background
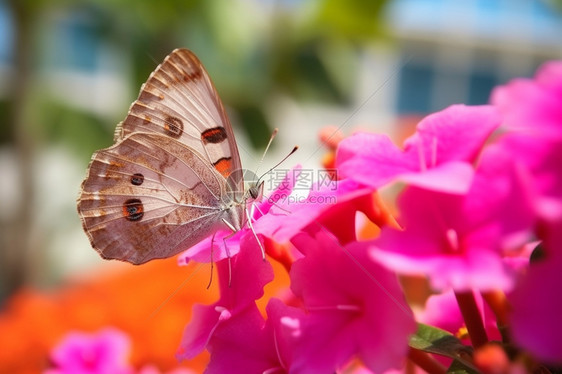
[70,69]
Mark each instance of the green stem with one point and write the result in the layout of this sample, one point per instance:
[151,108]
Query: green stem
[472,318]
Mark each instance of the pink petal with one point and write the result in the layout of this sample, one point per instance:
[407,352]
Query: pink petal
[102,352]
[287,220]
[456,133]
[239,289]
[549,76]
[343,319]
[536,305]
[459,241]
[201,252]
[242,345]
[453,177]
[285,323]
[438,156]
[372,159]
[534,106]
[478,269]
[196,335]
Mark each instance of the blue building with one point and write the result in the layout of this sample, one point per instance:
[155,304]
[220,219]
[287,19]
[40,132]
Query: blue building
[456,51]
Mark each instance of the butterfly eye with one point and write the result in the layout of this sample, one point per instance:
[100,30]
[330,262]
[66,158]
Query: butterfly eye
[133,210]
[256,190]
[137,179]
[173,127]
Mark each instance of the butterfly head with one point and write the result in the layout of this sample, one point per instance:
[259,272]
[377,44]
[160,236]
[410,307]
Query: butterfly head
[255,190]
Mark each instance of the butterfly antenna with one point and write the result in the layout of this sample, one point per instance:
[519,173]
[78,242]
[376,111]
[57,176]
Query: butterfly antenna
[273,135]
[279,163]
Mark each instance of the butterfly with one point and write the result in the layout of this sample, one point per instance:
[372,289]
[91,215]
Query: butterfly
[173,176]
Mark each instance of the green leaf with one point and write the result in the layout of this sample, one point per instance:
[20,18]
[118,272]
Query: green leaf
[458,367]
[434,340]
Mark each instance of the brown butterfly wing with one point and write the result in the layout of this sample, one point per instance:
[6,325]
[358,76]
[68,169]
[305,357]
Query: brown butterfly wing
[162,187]
[151,197]
[179,100]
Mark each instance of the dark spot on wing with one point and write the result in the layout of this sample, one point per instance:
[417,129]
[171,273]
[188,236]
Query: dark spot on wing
[133,210]
[214,135]
[173,127]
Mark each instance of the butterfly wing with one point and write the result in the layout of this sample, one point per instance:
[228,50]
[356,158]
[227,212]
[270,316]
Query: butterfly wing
[179,100]
[162,187]
[149,196]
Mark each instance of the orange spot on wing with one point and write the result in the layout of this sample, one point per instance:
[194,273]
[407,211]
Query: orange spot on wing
[224,166]
[133,210]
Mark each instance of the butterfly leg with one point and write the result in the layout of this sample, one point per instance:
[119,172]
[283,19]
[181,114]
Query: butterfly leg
[253,209]
[224,239]
[212,261]
[251,226]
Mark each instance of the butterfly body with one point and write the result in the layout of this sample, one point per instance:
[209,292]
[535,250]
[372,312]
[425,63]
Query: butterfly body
[173,176]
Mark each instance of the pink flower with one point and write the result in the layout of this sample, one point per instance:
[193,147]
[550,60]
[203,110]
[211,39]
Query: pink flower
[533,107]
[458,241]
[437,157]
[354,308]
[250,344]
[537,305]
[100,353]
[532,112]
[238,291]
[541,158]
[242,345]
[332,205]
